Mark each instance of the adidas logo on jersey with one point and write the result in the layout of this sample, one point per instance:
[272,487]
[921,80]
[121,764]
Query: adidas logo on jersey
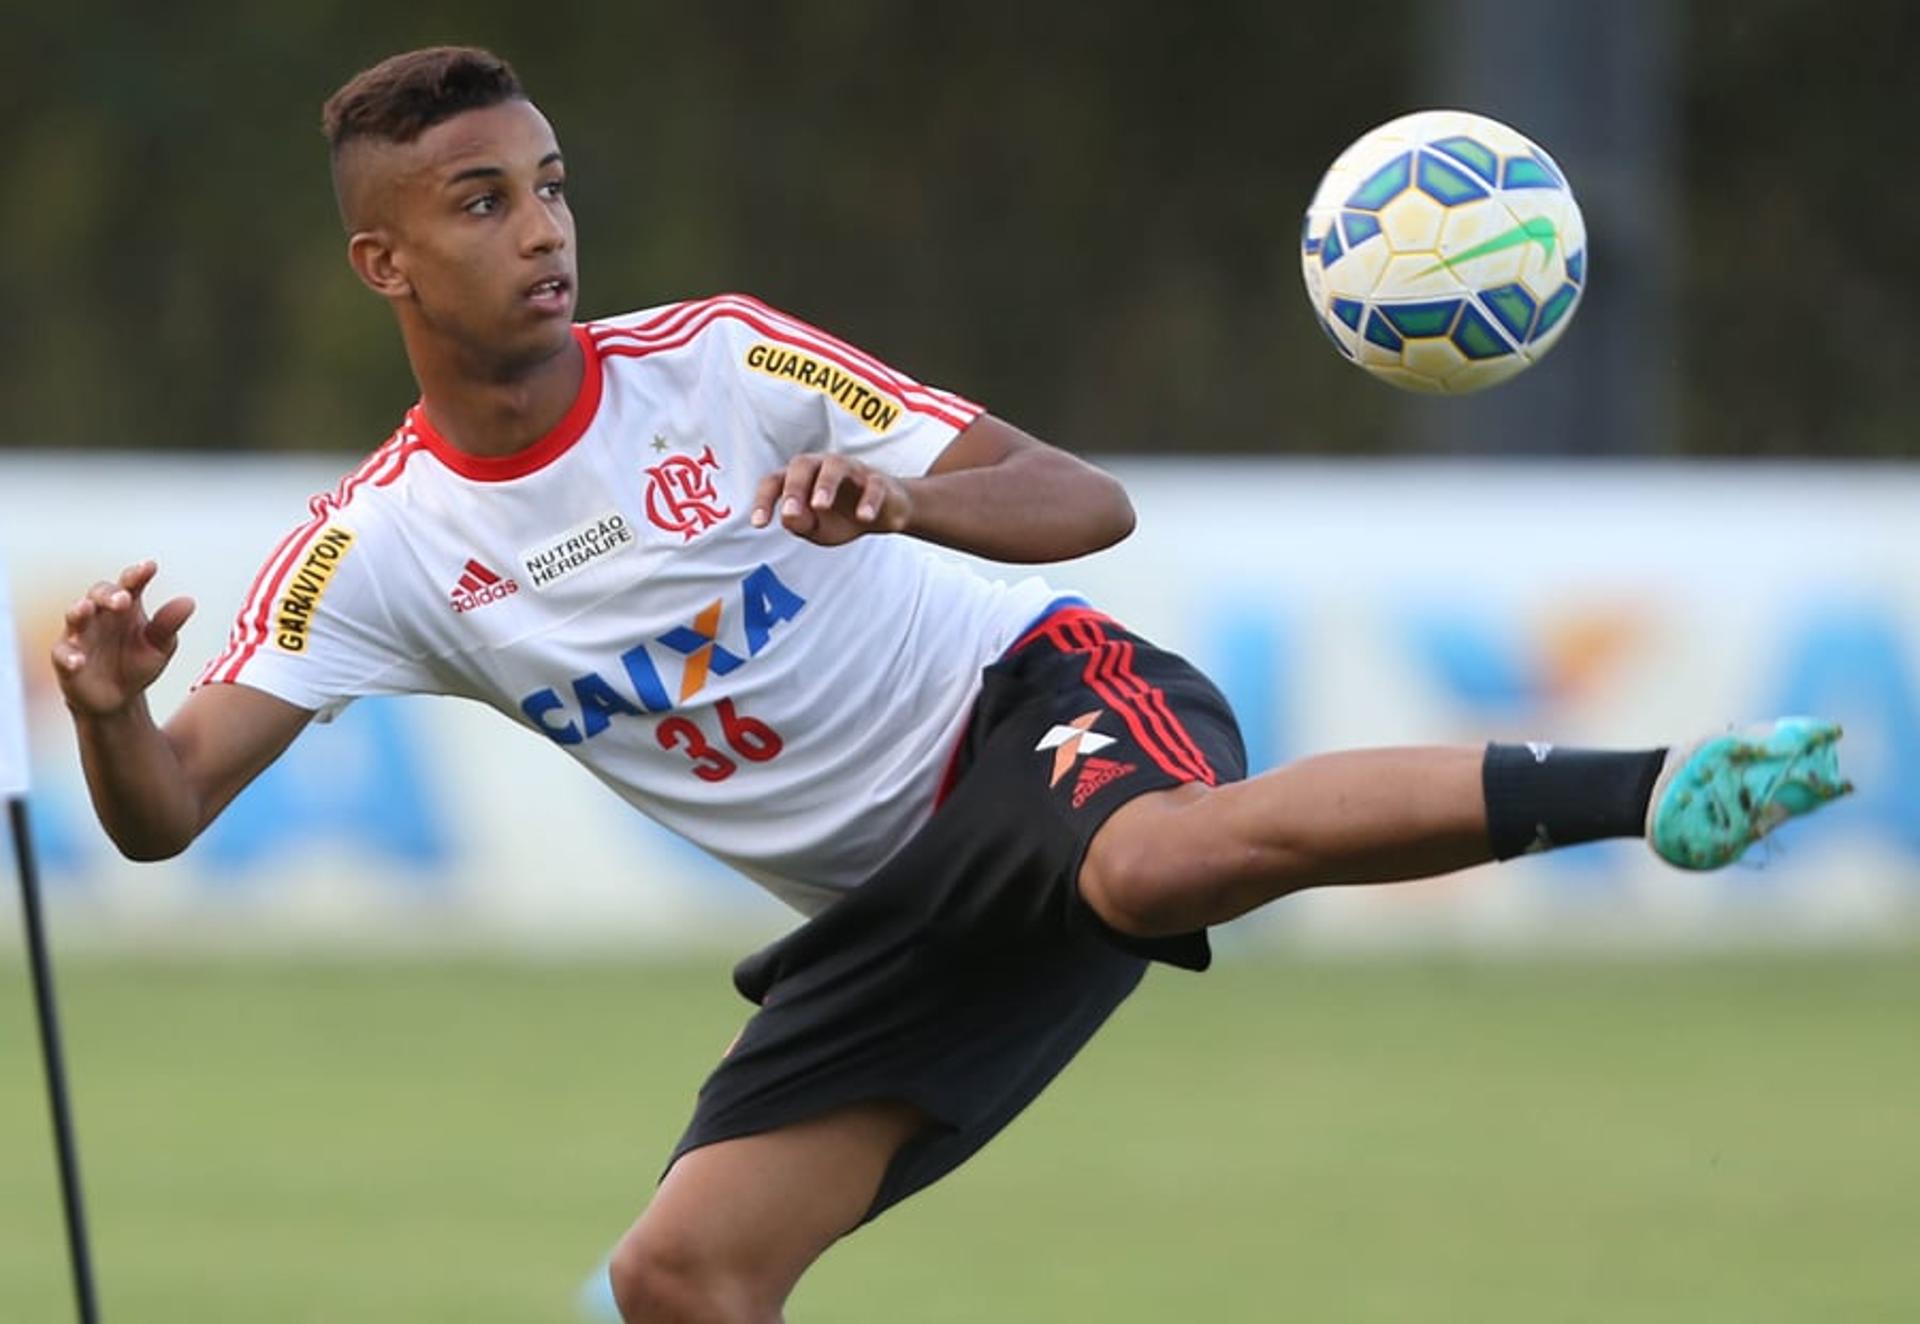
[1095,773]
[479,586]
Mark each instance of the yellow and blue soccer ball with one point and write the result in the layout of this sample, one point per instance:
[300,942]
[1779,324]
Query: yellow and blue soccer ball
[1444,252]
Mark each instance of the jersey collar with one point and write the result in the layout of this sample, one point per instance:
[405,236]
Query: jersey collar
[531,458]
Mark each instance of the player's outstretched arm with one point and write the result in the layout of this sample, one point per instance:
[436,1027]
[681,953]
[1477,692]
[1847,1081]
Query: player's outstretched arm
[995,492]
[155,789]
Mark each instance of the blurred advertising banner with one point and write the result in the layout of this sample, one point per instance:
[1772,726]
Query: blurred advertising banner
[1337,605]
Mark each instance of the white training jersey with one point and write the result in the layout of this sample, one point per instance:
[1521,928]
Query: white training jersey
[787,707]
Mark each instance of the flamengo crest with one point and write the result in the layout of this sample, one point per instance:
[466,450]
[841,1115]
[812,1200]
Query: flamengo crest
[680,494]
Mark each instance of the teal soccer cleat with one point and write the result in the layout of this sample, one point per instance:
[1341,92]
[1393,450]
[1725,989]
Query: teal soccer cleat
[1722,794]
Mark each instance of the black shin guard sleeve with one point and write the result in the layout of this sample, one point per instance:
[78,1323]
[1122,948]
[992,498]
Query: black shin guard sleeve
[1540,797]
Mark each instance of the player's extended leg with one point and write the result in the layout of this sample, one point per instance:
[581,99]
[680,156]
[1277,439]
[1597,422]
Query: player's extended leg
[734,1224]
[1184,859]
[1179,860]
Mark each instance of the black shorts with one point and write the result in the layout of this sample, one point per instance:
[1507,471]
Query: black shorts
[967,972]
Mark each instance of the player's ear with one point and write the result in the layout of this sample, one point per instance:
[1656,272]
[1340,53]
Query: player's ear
[370,253]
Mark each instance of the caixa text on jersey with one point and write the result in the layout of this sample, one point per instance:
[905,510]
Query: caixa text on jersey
[632,685]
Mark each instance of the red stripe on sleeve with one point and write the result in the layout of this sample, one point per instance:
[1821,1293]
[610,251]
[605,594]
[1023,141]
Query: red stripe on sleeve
[380,469]
[917,400]
[905,382]
[680,326]
[237,636]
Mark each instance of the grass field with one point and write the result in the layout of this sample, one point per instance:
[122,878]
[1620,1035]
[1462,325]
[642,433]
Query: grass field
[1729,1140]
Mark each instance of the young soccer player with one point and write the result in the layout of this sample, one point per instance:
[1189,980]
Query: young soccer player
[689,545]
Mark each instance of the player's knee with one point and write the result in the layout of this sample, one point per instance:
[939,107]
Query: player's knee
[1128,898]
[660,1278]
[1136,876]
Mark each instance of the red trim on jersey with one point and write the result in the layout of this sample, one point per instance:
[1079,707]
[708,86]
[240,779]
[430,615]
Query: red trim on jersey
[955,410]
[528,459]
[934,393]
[682,323]
[380,468]
[916,398]
[237,636]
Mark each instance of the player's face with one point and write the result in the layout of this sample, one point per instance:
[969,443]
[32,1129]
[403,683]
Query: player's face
[484,237]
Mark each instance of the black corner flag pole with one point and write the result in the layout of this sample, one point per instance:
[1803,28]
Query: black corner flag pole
[13,787]
[63,1141]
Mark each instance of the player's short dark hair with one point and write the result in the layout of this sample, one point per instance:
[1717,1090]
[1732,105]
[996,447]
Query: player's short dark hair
[405,95]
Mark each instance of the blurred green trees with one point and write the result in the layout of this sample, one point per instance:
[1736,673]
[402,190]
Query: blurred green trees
[1085,216]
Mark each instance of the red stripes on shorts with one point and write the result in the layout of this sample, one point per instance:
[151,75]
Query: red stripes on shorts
[1110,674]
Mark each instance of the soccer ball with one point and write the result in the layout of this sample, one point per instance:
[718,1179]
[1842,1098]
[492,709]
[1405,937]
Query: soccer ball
[1444,252]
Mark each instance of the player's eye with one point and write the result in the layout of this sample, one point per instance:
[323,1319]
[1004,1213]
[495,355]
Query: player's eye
[484,205]
[553,188]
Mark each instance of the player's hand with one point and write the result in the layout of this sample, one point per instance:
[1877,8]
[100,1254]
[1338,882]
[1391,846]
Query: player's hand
[831,499]
[112,650]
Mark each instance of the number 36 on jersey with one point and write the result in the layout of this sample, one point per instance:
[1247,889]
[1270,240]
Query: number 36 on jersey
[633,684]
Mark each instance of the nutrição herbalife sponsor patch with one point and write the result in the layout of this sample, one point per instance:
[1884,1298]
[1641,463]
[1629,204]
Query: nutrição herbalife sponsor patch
[573,551]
